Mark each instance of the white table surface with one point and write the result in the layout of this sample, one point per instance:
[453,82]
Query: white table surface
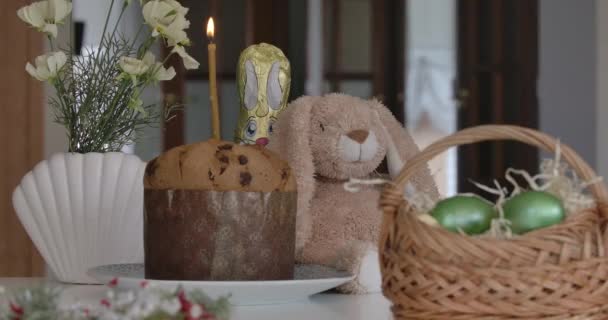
[319,307]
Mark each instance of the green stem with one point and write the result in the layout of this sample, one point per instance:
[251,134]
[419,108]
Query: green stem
[122,11]
[132,45]
[111,38]
[111,110]
[101,41]
[167,57]
[105,26]
[72,40]
[51,44]
[106,48]
[145,47]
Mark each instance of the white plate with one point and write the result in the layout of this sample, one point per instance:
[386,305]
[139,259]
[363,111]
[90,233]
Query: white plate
[309,279]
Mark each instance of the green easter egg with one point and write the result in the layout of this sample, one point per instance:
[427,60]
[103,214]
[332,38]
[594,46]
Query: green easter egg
[470,214]
[532,210]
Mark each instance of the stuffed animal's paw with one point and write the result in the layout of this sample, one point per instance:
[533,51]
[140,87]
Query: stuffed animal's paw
[361,261]
[369,277]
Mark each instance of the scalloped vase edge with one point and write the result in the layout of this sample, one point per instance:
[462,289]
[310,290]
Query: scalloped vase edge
[83,210]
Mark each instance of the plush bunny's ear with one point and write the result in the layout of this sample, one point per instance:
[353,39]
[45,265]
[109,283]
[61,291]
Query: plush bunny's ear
[291,140]
[401,147]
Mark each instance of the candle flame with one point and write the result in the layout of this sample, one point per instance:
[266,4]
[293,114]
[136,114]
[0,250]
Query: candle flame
[210,29]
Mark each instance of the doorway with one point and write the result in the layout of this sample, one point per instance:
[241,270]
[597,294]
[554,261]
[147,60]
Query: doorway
[496,84]
[430,108]
[471,63]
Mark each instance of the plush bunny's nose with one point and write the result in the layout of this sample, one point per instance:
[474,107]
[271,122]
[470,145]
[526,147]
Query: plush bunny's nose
[358,135]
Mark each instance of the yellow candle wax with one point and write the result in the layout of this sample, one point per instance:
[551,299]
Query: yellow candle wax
[215,110]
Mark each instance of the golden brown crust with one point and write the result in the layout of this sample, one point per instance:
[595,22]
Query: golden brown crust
[219,165]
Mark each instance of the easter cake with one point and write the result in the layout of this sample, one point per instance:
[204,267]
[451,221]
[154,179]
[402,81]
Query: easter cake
[216,210]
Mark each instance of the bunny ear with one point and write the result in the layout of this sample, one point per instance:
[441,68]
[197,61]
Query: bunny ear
[291,140]
[401,147]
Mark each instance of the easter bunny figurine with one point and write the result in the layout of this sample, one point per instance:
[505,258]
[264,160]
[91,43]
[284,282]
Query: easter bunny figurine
[328,140]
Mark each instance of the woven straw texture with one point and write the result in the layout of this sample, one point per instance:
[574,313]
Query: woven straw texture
[559,272]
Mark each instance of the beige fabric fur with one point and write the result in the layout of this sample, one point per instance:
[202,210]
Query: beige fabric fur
[326,141]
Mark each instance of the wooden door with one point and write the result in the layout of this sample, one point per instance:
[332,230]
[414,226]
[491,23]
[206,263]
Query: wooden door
[21,141]
[497,75]
[388,54]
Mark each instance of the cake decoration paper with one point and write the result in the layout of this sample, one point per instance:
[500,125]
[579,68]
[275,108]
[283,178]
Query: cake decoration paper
[219,235]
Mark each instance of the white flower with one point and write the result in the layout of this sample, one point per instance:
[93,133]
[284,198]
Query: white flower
[45,15]
[161,73]
[181,10]
[135,67]
[171,306]
[189,62]
[168,19]
[124,299]
[47,65]
[196,311]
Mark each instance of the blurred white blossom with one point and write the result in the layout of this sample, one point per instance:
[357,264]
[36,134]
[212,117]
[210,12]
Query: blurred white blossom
[171,306]
[134,68]
[189,62]
[47,66]
[167,19]
[196,311]
[46,15]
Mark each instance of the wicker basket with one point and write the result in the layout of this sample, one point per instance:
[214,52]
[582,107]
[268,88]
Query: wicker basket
[559,272]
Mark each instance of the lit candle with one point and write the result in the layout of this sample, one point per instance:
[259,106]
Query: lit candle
[215,110]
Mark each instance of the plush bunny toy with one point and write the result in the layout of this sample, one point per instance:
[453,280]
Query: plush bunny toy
[328,140]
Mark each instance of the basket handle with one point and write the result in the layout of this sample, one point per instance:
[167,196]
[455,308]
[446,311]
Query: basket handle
[392,197]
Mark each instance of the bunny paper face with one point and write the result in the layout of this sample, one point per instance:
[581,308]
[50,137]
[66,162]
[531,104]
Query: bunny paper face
[264,79]
[348,140]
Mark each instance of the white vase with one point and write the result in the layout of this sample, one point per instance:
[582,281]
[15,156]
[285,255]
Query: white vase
[84,210]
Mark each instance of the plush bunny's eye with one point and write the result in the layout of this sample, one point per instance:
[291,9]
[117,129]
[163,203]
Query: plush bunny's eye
[322,127]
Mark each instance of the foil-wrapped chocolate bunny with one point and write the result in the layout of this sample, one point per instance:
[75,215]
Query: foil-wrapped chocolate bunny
[263,80]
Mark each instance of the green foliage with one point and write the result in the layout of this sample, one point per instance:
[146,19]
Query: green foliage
[98,94]
[220,307]
[97,106]
[39,303]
